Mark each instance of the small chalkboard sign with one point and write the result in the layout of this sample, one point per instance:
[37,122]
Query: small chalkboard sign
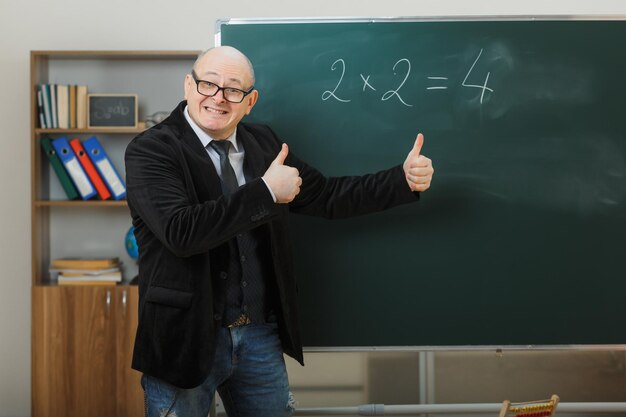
[112,110]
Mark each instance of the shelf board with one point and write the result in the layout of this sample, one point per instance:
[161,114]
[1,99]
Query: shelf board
[80,203]
[133,130]
[55,284]
[119,54]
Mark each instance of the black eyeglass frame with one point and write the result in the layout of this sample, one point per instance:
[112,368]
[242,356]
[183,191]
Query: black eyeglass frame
[195,78]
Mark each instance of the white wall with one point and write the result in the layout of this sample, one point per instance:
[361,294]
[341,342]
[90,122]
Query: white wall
[140,24]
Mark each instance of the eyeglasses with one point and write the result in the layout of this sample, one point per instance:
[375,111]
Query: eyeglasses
[207,88]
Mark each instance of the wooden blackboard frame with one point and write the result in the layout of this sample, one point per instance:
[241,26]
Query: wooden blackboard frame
[218,41]
[117,121]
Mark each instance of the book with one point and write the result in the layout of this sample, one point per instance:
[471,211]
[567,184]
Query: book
[72,106]
[63,106]
[47,111]
[53,105]
[74,169]
[115,276]
[81,106]
[105,167]
[83,271]
[87,282]
[85,263]
[40,114]
[59,169]
[109,278]
[92,173]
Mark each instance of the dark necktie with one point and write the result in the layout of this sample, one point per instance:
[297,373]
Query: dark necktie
[229,179]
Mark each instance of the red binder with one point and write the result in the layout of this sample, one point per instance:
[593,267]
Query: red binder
[96,180]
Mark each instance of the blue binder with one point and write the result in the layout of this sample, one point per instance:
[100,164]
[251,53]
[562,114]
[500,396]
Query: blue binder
[105,168]
[74,169]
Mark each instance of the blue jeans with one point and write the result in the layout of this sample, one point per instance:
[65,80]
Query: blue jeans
[248,372]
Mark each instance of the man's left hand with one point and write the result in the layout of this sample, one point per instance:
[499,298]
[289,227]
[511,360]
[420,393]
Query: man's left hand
[418,169]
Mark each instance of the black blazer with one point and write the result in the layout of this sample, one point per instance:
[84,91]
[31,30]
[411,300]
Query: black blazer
[182,221]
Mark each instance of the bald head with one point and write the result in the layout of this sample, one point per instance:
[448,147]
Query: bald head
[223,70]
[227,53]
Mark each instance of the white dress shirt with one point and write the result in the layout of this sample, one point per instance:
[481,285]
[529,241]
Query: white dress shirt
[235,155]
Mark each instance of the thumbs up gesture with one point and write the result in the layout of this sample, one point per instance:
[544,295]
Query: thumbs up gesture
[283,180]
[418,169]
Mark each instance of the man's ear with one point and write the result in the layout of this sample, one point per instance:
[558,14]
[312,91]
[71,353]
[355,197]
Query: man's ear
[188,85]
[251,100]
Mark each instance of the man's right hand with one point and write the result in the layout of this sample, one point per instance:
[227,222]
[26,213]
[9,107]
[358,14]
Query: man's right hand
[283,180]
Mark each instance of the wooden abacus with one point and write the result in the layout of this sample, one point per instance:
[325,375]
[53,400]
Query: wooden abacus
[539,408]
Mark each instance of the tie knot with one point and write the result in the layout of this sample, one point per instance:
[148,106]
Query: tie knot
[222,147]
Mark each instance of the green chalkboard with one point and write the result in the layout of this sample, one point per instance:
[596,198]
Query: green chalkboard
[521,239]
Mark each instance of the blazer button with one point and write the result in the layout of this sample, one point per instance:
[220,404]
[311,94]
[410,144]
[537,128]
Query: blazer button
[244,283]
[223,275]
[217,317]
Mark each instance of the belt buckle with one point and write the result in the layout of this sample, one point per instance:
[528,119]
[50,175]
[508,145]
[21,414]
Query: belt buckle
[241,321]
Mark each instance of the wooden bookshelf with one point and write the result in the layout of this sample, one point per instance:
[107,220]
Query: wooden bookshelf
[156,77]
[82,336]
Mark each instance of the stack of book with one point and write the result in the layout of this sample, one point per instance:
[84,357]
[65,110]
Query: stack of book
[62,106]
[86,271]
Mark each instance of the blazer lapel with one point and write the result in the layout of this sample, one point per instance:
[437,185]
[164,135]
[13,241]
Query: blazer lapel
[254,164]
[199,156]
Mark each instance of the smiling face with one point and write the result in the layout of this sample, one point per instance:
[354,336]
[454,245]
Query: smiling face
[226,67]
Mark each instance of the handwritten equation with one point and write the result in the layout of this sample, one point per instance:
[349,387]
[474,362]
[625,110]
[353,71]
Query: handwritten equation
[404,65]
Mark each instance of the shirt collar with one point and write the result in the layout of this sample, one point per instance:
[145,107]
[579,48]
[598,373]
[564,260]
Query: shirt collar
[204,137]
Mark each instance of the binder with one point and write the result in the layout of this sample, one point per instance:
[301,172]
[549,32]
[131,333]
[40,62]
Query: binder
[93,175]
[105,168]
[55,162]
[73,168]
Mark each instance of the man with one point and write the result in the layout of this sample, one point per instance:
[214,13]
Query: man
[209,197]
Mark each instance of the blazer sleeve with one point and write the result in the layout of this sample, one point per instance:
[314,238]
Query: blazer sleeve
[347,196]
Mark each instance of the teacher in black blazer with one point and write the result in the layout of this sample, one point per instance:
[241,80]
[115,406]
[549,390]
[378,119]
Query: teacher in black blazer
[209,198]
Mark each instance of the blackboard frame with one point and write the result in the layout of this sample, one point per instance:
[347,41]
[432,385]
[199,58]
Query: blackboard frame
[219,23]
[129,120]
[218,41]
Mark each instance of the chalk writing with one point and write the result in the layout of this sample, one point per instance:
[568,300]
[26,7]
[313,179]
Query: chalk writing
[439,87]
[328,94]
[110,110]
[436,82]
[366,82]
[392,93]
[484,86]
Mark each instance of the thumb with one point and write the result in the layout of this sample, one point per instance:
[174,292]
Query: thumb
[419,142]
[282,155]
